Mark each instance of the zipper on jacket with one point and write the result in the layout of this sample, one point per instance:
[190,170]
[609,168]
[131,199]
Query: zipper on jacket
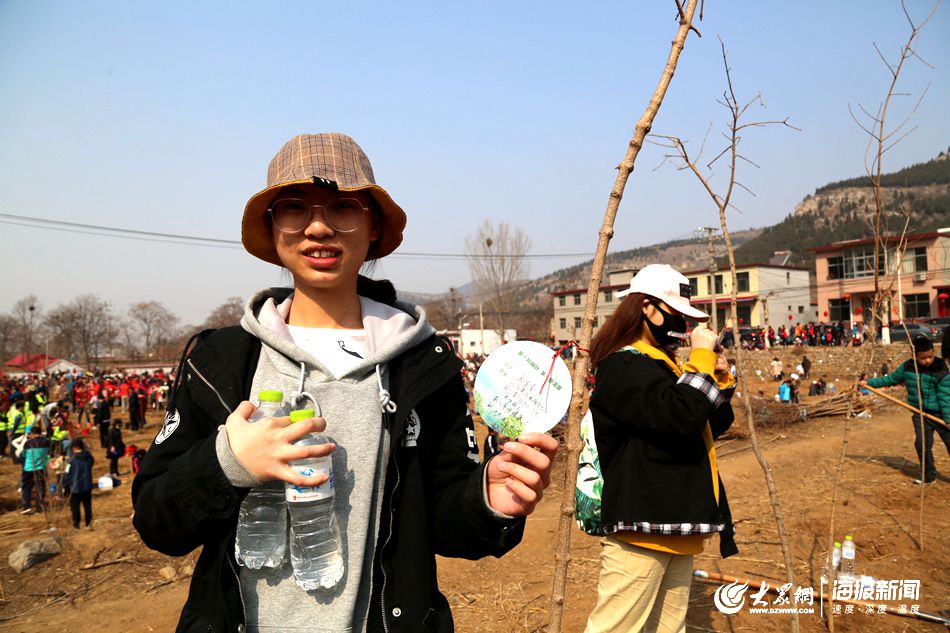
[240,590]
[210,386]
[382,563]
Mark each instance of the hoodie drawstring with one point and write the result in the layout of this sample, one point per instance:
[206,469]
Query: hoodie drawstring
[300,394]
[385,400]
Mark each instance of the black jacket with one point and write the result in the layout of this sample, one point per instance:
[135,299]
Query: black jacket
[116,444]
[432,503]
[79,475]
[103,410]
[649,433]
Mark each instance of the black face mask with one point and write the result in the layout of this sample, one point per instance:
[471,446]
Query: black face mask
[671,323]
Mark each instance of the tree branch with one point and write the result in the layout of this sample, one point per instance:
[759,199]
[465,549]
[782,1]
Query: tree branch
[565,521]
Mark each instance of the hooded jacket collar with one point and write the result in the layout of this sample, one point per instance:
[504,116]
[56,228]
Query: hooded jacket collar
[390,328]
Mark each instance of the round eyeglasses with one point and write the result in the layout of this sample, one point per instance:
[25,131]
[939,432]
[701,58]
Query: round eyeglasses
[292,215]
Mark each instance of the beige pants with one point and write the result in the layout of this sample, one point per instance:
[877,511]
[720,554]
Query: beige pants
[640,590]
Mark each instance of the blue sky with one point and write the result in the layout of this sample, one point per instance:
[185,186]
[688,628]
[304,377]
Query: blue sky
[163,117]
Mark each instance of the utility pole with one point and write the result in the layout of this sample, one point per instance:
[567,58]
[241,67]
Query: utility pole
[710,230]
[765,313]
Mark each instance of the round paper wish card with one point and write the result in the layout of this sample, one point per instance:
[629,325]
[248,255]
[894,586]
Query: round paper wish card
[512,395]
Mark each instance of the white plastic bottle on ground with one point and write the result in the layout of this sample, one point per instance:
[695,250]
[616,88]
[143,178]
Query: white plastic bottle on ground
[262,523]
[834,562]
[848,553]
[315,551]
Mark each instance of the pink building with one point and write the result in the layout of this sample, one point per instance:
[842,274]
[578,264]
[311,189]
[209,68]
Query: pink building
[918,283]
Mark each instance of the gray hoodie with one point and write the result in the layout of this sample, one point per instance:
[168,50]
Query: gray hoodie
[353,405]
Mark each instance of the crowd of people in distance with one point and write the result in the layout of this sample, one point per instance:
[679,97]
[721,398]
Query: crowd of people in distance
[46,421]
[471,363]
[811,334]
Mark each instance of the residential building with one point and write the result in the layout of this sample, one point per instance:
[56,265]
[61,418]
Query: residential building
[768,294]
[919,278]
[466,341]
[569,306]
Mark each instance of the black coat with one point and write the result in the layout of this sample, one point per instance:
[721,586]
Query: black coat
[649,433]
[103,410]
[116,444]
[432,502]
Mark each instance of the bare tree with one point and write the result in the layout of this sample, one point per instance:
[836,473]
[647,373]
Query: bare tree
[228,313]
[441,313]
[154,323]
[8,332]
[496,259]
[62,327]
[127,334]
[28,314]
[579,378]
[881,139]
[723,202]
[93,325]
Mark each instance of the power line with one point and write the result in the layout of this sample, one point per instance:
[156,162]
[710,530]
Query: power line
[120,236]
[173,238]
[191,240]
[97,227]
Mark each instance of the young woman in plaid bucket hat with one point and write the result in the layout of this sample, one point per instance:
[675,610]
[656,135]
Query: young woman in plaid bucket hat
[654,423]
[407,476]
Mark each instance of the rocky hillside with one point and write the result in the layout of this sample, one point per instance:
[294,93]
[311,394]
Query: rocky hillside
[681,254]
[918,196]
[835,212]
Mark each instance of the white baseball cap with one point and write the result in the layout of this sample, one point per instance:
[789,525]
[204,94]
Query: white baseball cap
[663,282]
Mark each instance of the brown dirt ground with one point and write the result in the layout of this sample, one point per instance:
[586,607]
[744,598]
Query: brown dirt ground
[877,504]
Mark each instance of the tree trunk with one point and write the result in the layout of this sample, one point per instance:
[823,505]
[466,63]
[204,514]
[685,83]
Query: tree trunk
[565,522]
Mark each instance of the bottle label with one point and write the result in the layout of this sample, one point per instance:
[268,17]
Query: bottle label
[295,493]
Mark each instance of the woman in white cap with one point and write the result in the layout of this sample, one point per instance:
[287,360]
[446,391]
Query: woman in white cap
[654,424]
[407,478]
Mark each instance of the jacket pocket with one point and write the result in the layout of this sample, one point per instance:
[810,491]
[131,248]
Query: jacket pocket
[439,621]
[439,617]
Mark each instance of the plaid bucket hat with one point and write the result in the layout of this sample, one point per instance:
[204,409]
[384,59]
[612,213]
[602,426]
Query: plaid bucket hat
[331,160]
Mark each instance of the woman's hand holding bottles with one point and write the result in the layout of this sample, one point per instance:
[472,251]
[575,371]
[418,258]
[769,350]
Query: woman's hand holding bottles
[265,448]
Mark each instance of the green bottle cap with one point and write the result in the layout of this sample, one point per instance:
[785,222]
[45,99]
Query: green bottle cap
[837,544]
[302,414]
[270,395]
[848,537]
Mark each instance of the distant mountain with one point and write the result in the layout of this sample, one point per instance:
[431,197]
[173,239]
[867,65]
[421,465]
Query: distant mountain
[681,254]
[418,298]
[837,211]
[845,210]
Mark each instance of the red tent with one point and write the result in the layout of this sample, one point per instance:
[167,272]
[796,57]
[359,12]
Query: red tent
[30,362]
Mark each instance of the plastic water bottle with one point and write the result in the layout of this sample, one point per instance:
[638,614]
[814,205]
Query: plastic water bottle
[848,552]
[262,522]
[315,551]
[833,563]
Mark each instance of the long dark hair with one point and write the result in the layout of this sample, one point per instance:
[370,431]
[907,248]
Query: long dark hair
[621,329]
